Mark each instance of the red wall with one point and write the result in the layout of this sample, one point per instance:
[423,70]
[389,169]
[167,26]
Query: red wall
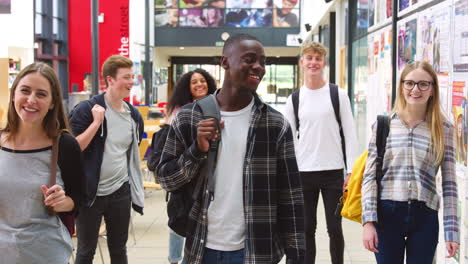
[113,36]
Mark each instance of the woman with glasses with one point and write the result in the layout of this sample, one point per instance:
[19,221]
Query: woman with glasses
[404,219]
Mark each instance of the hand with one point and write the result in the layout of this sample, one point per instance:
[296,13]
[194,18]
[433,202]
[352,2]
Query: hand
[452,248]
[370,238]
[55,198]
[346,181]
[206,132]
[98,114]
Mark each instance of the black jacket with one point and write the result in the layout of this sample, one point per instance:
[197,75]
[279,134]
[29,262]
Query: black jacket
[81,118]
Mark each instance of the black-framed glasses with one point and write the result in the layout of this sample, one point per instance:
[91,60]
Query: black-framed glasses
[422,85]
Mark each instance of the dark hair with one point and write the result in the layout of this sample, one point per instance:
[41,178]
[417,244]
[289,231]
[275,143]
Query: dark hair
[233,40]
[182,95]
[113,64]
[55,120]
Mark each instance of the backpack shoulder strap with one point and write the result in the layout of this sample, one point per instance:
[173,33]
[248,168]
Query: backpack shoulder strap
[53,167]
[53,161]
[335,100]
[210,109]
[295,102]
[383,128]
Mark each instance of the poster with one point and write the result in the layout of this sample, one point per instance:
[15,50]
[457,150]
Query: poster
[406,6]
[434,37]
[5,6]
[207,17]
[465,128]
[460,34]
[389,8]
[444,89]
[459,109]
[379,89]
[371,12]
[403,4]
[383,11]
[407,42]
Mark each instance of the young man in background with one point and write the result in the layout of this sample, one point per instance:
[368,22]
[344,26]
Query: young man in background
[320,157]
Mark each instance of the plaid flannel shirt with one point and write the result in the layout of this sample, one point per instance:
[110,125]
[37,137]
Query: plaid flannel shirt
[273,201]
[409,173]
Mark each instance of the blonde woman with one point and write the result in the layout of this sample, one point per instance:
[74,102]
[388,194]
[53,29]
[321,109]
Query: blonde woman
[403,220]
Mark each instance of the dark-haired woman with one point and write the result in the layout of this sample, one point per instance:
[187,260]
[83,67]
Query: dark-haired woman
[191,86]
[29,233]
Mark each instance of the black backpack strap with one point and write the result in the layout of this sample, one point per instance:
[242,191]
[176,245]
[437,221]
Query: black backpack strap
[383,129]
[210,109]
[335,99]
[295,102]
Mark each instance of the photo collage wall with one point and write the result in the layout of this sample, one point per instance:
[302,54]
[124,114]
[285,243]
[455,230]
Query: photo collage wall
[227,13]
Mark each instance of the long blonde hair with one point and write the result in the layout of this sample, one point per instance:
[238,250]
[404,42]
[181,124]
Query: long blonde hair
[434,114]
[55,120]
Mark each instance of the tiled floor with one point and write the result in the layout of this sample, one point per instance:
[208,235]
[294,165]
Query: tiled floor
[151,237]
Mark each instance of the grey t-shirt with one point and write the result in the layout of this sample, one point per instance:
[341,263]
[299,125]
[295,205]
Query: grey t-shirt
[28,234]
[114,168]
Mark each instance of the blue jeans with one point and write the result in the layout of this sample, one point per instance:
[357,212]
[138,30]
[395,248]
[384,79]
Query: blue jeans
[116,211]
[212,256]
[176,245]
[410,226]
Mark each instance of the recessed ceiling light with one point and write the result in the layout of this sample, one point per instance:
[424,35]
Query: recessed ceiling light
[181,48]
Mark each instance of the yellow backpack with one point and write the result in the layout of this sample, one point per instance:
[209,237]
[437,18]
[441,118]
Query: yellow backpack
[351,199]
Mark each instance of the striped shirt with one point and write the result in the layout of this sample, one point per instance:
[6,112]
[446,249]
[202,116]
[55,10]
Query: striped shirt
[409,173]
[272,196]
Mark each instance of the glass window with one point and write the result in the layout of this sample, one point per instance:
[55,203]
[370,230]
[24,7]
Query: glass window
[55,8]
[278,83]
[359,81]
[55,27]
[38,6]
[38,24]
[361,22]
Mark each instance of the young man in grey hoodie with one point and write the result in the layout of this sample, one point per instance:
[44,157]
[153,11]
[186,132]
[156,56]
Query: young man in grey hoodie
[109,130]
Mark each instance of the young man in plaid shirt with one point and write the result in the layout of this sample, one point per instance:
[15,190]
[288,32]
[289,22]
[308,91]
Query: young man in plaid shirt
[257,212]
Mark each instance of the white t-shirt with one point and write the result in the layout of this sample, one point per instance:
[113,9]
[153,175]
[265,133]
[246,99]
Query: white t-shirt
[319,145]
[226,223]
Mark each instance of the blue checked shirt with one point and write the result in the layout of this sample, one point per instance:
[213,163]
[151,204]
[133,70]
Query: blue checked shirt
[273,201]
[409,173]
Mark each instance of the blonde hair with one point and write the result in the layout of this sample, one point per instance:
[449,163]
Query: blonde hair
[55,120]
[315,47]
[434,115]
